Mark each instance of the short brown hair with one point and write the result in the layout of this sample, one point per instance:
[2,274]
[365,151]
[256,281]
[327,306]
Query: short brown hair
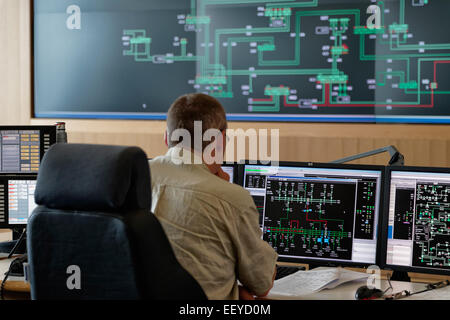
[188,109]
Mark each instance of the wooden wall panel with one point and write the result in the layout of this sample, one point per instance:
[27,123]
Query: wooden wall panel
[421,144]
[15,62]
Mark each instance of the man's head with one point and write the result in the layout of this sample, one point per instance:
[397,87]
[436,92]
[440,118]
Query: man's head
[189,111]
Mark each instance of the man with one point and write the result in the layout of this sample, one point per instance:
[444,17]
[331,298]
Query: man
[211,224]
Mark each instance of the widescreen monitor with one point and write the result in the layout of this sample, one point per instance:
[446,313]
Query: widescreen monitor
[318,213]
[417,228]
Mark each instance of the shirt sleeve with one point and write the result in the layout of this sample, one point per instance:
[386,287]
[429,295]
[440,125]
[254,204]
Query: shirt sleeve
[256,259]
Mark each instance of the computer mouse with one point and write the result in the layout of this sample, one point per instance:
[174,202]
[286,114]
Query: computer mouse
[366,293]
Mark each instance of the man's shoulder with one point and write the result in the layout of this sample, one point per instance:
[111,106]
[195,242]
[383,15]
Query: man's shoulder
[194,178]
[230,192]
[158,161]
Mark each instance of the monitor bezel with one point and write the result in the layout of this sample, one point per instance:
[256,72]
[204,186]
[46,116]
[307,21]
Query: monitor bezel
[45,129]
[326,263]
[384,227]
[21,176]
[236,174]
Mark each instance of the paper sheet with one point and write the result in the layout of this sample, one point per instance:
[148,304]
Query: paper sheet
[308,282]
[346,276]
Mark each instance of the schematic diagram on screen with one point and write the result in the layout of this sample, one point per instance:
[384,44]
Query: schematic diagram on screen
[314,219]
[318,218]
[309,57]
[432,226]
[422,216]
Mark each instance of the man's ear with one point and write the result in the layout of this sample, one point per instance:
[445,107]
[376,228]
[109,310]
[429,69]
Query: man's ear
[165,138]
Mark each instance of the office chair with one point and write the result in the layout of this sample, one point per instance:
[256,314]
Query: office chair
[93,236]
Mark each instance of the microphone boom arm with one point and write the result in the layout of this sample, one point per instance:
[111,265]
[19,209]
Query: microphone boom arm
[397,159]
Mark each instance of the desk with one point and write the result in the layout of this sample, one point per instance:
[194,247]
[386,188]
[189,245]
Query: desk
[15,287]
[415,277]
[347,291]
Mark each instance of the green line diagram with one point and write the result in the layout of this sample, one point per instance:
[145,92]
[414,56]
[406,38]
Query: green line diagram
[404,213]
[309,218]
[432,226]
[309,57]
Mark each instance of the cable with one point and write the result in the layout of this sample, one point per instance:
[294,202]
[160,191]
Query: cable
[406,293]
[390,285]
[432,286]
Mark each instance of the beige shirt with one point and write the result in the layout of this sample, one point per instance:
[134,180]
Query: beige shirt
[212,226]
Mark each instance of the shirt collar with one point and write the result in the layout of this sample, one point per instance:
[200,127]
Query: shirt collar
[180,155]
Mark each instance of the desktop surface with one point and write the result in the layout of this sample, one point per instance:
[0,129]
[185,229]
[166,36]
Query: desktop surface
[417,230]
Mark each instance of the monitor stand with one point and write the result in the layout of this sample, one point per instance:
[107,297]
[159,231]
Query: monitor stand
[325,265]
[400,276]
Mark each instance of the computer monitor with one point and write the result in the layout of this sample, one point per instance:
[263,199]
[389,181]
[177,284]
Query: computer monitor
[320,214]
[22,147]
[416,235]
[16,199]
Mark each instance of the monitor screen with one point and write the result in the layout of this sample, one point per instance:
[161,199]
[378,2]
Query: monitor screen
[281,60]
[322,215]
[418,229]
[16,199]
[22,148]
[230,171]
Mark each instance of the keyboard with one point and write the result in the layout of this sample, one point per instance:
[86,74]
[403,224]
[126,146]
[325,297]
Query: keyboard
[283,271]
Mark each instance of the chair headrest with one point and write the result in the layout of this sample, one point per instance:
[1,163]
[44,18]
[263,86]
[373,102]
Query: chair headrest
[94,178]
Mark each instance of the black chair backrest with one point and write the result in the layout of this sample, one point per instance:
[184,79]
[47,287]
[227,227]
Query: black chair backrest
[93,236]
